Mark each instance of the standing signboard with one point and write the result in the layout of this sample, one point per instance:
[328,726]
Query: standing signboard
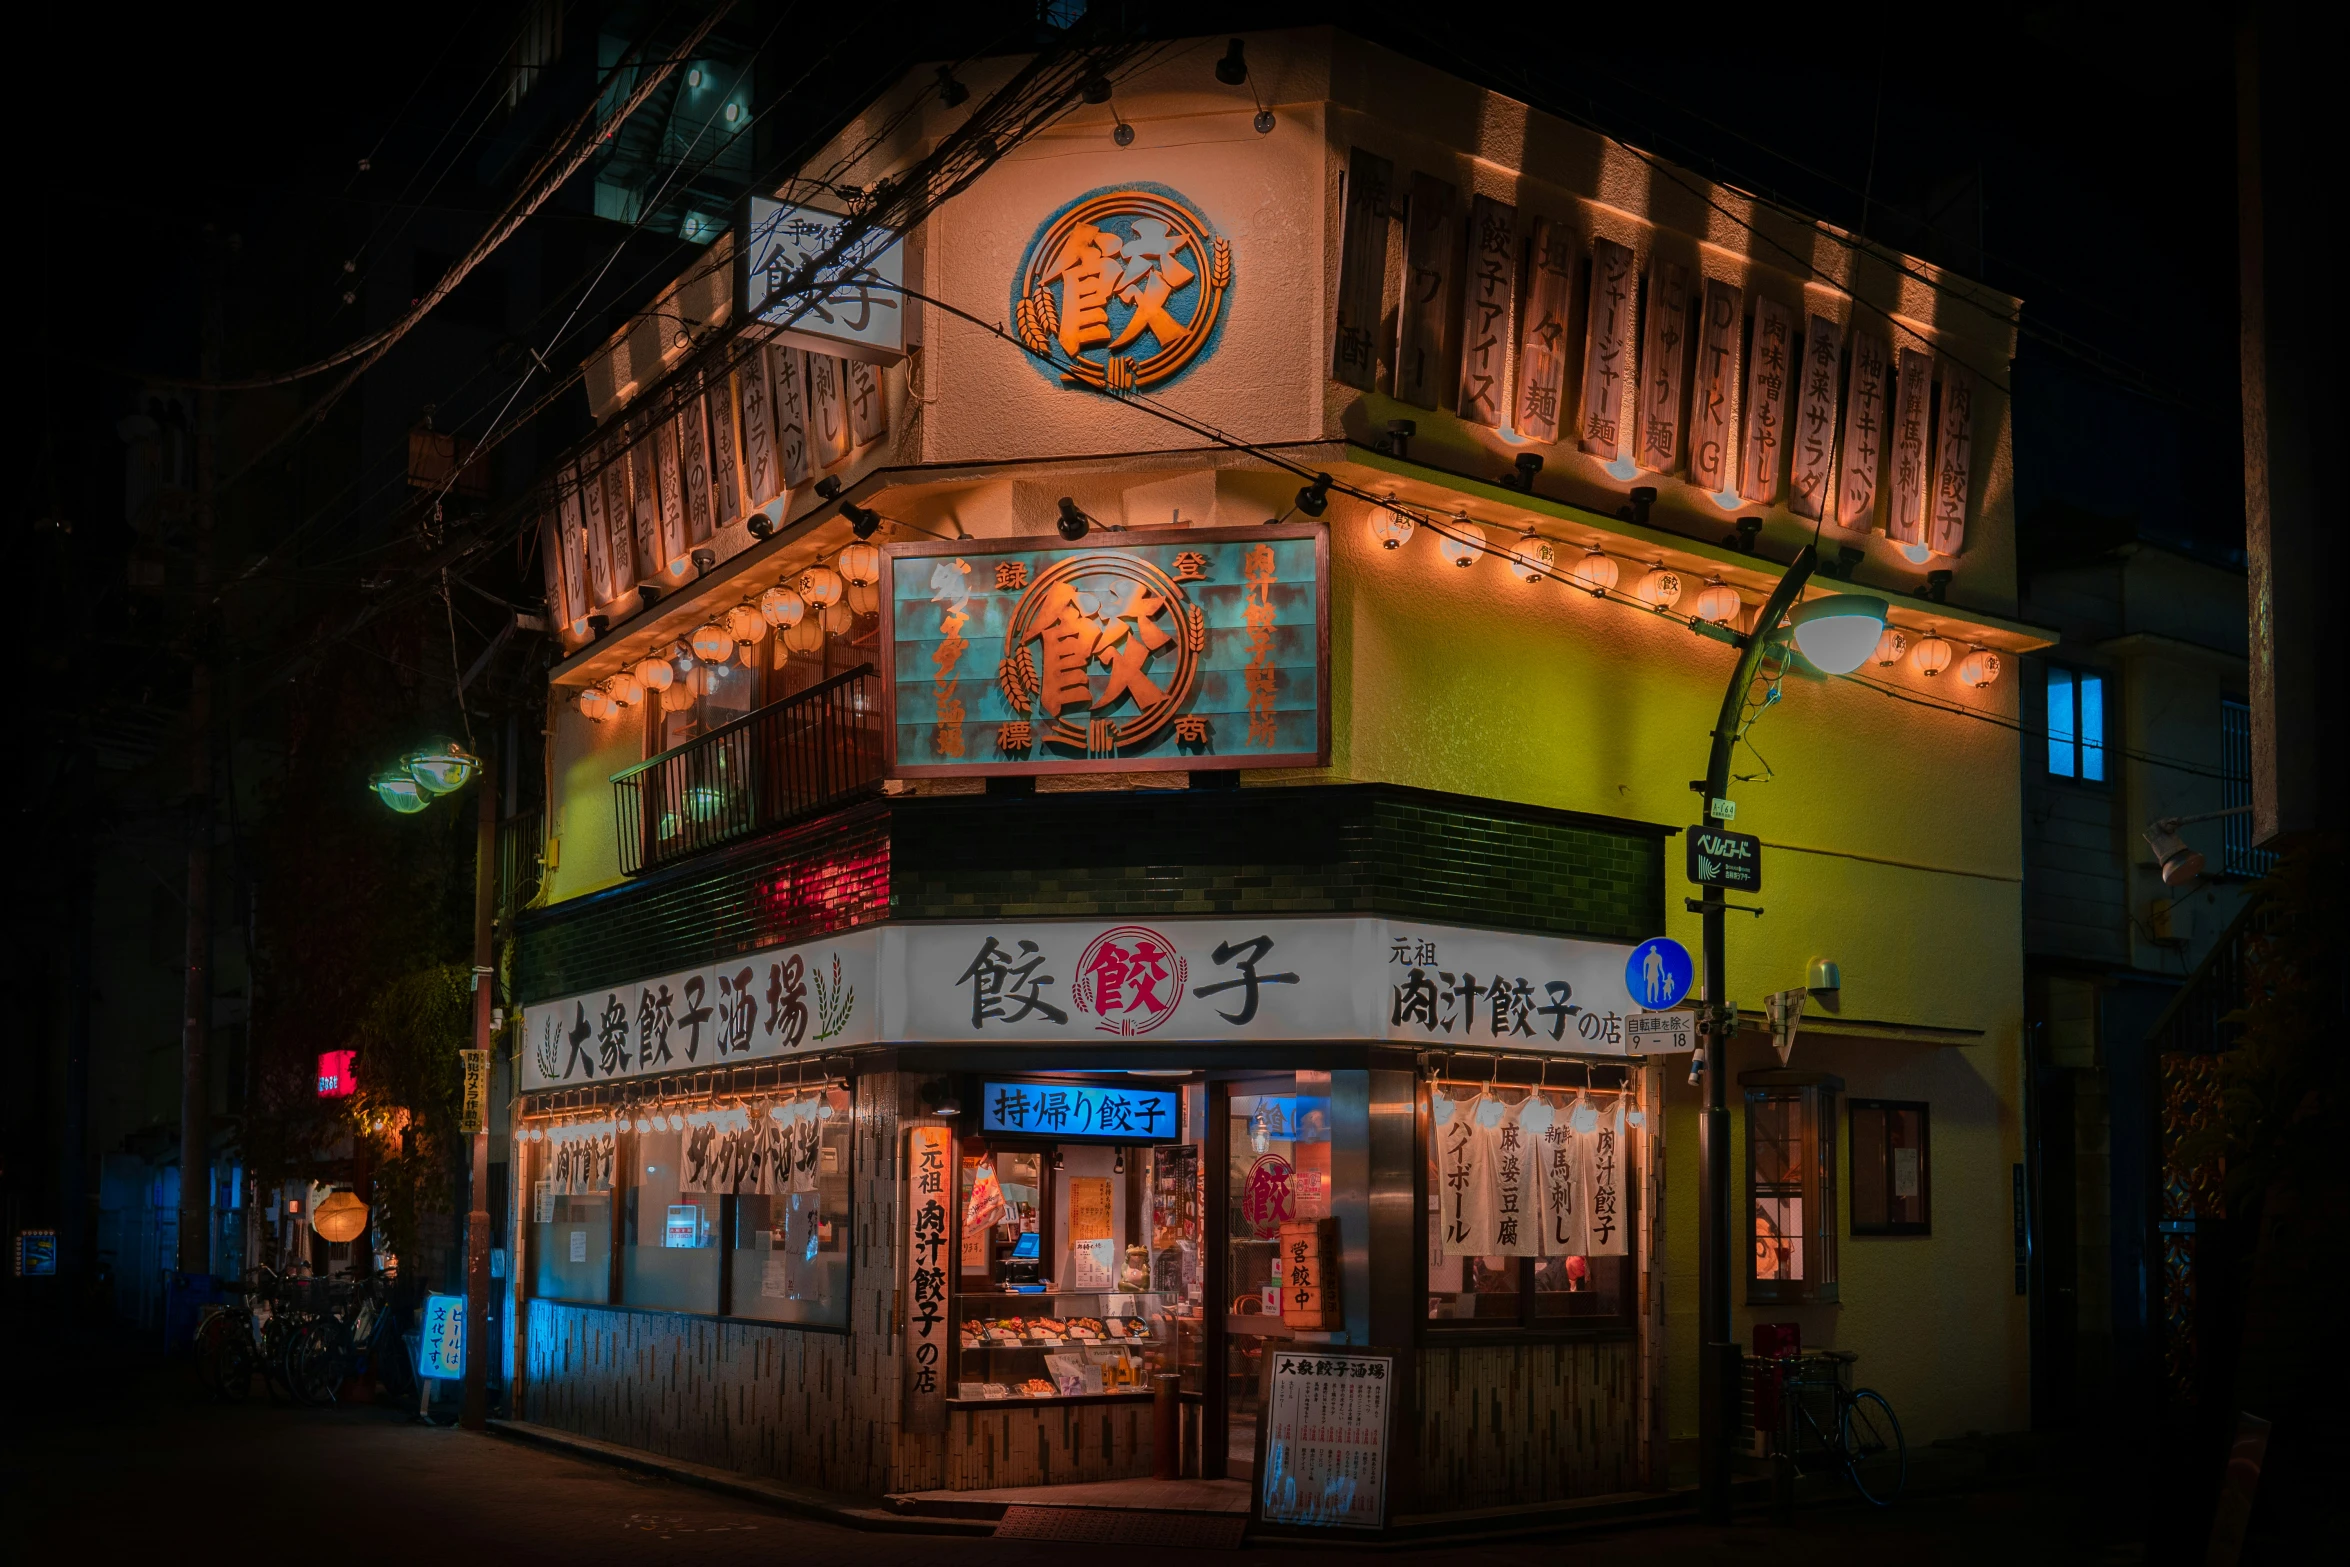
[1325,1440]
[928,1235]
[440,1349]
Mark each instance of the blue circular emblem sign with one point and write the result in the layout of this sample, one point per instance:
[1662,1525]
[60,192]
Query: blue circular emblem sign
[1659,973]
[1123,288]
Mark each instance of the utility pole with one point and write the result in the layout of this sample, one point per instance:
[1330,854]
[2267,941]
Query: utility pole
[195,1213]
[1718,1354]
[475,1413]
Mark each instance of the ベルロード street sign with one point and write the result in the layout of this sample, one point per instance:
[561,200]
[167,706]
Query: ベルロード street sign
[1720,858]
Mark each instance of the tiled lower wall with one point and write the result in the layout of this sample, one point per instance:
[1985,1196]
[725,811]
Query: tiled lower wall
[1511,1424]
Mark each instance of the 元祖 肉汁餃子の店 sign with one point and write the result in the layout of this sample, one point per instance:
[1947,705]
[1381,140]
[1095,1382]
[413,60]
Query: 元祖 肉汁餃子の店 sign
[1085,982]
[1178,648]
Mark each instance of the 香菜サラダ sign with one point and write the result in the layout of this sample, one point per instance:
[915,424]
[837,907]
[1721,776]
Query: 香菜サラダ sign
[1178,648]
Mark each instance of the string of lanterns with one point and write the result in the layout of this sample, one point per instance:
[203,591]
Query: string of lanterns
[822,601]
[1462,542]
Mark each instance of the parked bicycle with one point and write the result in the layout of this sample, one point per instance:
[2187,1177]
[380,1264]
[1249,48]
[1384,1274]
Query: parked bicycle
[360,1338]
[1858,1436]
[231,1337]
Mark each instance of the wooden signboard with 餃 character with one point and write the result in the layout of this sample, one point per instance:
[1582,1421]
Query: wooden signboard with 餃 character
[1310,1295]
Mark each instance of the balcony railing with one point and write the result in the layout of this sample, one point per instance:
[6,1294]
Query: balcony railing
[787,760]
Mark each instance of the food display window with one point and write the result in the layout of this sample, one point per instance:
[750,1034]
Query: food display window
[1078,1259]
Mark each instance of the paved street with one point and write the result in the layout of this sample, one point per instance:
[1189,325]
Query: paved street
[127,1459]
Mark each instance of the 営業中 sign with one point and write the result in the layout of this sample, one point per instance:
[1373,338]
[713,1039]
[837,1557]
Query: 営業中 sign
[1326,1441]
[440,1348]
[1721,858]
[1177,648]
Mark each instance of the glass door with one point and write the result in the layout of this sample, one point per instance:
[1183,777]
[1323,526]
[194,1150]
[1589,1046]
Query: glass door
[1274,1162]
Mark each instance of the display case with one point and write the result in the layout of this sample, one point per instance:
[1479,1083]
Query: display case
[1067,1344]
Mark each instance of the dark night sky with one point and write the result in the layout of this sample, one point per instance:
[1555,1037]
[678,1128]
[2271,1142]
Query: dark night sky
[2081,155]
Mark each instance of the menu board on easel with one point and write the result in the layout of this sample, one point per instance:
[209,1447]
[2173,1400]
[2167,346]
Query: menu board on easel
[1324,1455]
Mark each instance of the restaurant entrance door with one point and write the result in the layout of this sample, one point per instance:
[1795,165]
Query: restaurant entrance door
[1268,1164]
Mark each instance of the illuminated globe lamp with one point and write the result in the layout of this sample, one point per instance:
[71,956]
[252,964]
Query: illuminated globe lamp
[1719,601]
[1930,657]
[1535,559]
[713,644]
[398,790]
[1659,587]
[821,586]
[1890,646]
[341,1217]
[654,674]
[1979,668]
[1465,544]
[1392,528]
[1597,572]
[441,766]
[781,608]
[1839,633]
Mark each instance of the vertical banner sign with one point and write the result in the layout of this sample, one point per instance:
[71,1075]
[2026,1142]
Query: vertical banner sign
[1815,420]
[1713,412]
[440,1349]
[868,407]
[575,576]
[1326,1441]
[1954,457]
[673,556]
[929,1235]
[1607,347]
[1662,359]
[761,475]
[1766,399]
[1913,385]
[1485,312]
[788,375]
[693,450]
[828,410]
[1431,244]
[474,1113]
[599,537]
[551,560]
[725,468]
[619,513]
[1362,271]
[1542,332]
[1864,433]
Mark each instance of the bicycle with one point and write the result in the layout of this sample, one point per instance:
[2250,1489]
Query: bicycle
[230,1338]
[330,1350]
[1862,1439]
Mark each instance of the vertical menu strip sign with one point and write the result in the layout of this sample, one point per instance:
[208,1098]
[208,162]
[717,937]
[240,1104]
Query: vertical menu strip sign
[1663,360]
[1913,384]
[1326,1424]
[1954,455]
[1362,271]
[868,404]
[1542,331]
[1431,244]
[828,410]
[725,467]
[1813,472]
[619,513]
[574,536]
[1485,312]
[693,444]
[1713,414]
[671,555]
[551,561]
[1766,400]
[929,1235]
[1607,348]
[760,474]
[1864,433]
[790,383]
[599,537]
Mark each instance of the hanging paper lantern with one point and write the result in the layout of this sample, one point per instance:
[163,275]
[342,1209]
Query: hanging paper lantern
[864,598]
[1597,571]
[1979,668]
[625,689]
[678,697]
[745,624]
[1931,657]
[839,619]
[340,1217]
[713,644]
[821,586]
[1391,528]
[1658,587]
[1464,543]
[805,635]
[1719,601]
[860,564]
[1891,644]
[654,674]
[594,704]
[1535,559]
[781,606]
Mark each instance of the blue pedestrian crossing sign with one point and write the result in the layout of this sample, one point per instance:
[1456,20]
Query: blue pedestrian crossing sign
[1659,973]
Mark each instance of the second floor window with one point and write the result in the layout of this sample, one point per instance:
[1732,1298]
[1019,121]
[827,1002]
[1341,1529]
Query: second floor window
[2076,723]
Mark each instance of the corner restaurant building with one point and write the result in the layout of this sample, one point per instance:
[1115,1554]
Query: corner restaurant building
[984,970]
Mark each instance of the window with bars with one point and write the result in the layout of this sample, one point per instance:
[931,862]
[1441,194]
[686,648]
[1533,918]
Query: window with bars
[2235,739]
[2076,723]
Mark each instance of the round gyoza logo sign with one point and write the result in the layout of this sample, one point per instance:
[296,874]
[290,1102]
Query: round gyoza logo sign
[1129,980]
[1122,288]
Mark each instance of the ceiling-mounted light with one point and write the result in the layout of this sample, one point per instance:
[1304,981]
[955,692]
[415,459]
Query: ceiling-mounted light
[693,76]
[951,92]
[1719,601]
[1979,668]
[1074,522]
[1534,558]
[679,697]
[863,520]
[805,635]
[1232,70]
[1314,499]
[1464,544]
[1931,656]
[839,619]
[1659,587]
[1838,633]
[653,673]
[1392,528]
[1596,573]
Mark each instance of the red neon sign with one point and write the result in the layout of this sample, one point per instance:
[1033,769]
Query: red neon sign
[335,1080]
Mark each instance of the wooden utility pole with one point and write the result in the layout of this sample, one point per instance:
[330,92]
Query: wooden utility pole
[477,1220]
[195,1210]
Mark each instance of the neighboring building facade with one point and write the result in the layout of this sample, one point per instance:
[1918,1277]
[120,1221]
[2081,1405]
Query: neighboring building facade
[2137,715]
[1125,870]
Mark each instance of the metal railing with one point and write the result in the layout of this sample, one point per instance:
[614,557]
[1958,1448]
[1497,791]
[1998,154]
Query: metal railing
[522,843]
[787,760]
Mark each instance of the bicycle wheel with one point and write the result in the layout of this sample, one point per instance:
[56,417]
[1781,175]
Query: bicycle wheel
[209,1339]
[319,1361]
[1875,1457]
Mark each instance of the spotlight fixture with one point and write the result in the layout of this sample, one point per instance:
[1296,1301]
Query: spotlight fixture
[1314,499]
[704,559]
[1074,522]
[1232,70]
[1743,534]
[761,525]
[862,519]
[1528,465]
[828,486]
[2179,864]
[951,92]
[1399,436]
[1643,497]
[1095,88]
